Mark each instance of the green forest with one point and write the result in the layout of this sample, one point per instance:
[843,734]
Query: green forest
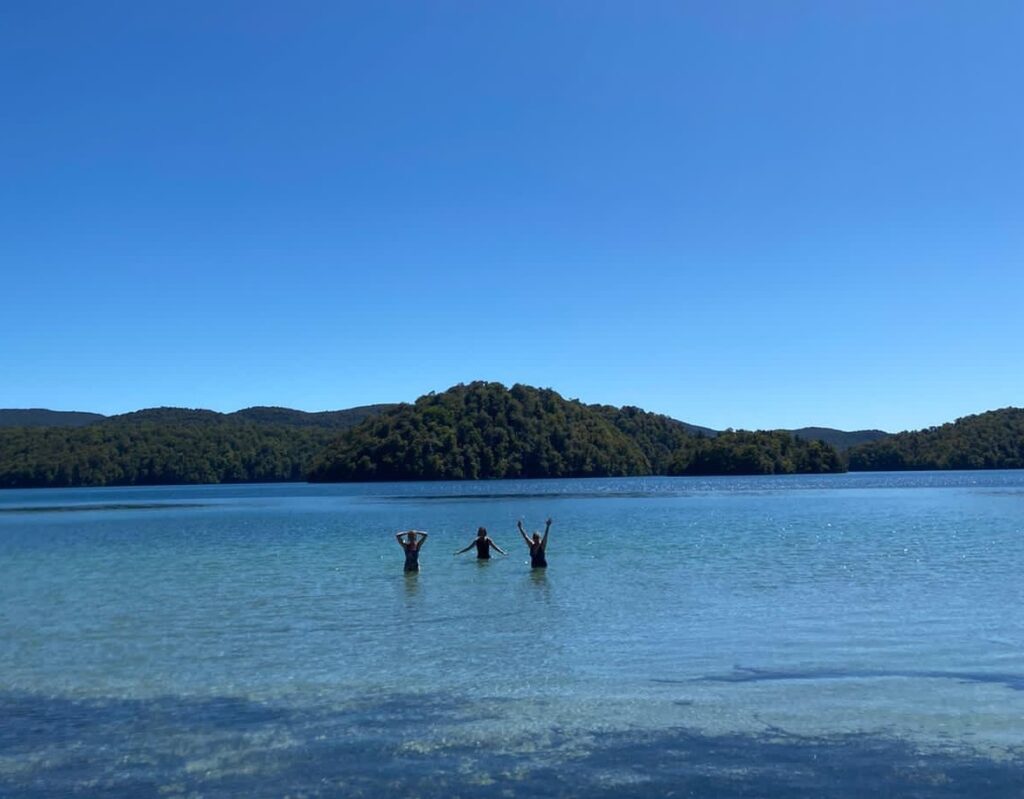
[167,446]
[481,431]
[484,431]
[992,440]
[154,453]
[469,432]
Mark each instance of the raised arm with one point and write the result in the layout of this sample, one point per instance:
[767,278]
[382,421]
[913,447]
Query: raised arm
[522,532]
[544,540]
[398,538]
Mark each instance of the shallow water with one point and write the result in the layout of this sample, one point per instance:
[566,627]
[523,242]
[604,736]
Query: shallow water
[782,636]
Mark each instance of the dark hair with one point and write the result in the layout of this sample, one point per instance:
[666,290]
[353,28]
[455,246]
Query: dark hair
[481,531]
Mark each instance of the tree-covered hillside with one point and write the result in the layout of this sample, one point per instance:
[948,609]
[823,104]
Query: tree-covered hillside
[482,430]
[659,437]
[992,440]
[172,446]
[761,452]
[151,453]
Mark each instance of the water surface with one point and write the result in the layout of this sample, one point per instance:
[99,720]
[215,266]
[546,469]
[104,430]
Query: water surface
[781,636]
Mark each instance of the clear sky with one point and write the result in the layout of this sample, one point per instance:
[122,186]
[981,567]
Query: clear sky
[742,214]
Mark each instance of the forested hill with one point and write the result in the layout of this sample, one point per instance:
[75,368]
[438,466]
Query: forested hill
[484,430]
[992,440]
[172,446]
[478,431]
[660,438]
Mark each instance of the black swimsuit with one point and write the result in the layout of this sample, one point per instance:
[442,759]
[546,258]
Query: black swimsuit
[412,557]
[483,549]
[537,559]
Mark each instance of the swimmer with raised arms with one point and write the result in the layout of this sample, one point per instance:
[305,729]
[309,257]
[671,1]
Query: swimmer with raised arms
[538,546]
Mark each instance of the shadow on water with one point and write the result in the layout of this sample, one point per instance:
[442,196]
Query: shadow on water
[409,745]
[741,674]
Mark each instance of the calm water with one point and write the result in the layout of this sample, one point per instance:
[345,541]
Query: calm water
[785,636]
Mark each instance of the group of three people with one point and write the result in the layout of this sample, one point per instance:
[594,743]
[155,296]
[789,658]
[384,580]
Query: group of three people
[411,541]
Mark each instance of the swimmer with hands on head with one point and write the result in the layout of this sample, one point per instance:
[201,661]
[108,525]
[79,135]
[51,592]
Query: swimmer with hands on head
[412,545]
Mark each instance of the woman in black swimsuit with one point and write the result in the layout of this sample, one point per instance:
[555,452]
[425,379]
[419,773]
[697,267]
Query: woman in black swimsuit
[483,544]
[538,546]
[412,548]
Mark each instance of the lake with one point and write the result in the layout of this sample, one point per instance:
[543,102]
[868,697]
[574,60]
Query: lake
[827,635]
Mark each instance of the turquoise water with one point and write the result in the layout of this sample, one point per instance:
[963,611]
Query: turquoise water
[779,636]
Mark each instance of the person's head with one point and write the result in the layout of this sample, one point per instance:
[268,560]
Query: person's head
[536,538]
[410,537]
[481,532]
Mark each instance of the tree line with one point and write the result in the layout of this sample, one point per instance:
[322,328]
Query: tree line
[154,453]
[992,440]
[484,430]
[475,431]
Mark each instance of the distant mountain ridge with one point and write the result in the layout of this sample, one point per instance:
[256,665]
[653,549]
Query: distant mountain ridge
[42,417]
[348,417]
[840,439]
[258,414]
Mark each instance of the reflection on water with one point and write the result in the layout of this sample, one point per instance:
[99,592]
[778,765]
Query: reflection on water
[539,582]
[411,580]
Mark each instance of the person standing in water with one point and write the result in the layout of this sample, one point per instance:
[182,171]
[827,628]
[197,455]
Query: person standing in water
[412,546]
[538,546]
[483,544]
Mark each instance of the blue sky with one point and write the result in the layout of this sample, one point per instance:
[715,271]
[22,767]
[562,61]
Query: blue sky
[746,214]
